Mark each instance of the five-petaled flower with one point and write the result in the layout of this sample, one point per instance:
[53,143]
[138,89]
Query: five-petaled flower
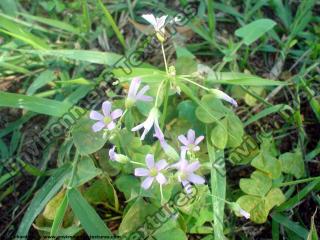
[158,25]
[107,119]
[134,95]
[152,120]
[190,142]
[153,171]
[186,173]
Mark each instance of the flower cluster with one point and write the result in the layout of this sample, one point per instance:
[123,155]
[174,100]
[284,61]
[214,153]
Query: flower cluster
[184,169]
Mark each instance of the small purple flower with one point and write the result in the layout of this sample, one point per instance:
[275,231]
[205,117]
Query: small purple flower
[112,154]
[105,120]
[153,171]
[117,157]
[221,95]
[158,134]
[152,120]
[186,173]
[134,95]
[190,142]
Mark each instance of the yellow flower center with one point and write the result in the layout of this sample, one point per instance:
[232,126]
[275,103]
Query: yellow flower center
[153,172]
[107,120]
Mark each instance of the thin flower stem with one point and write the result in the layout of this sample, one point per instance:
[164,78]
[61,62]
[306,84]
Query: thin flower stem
[124,113]
[158,92]
[141,164]
[164,58]
[161,193]
[197,84]
[74,168]
[165,104]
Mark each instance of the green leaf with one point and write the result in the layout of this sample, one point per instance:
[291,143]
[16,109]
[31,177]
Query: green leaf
[313,235]
[34,104]
[136,217]
[235,130]
[265,162]
[89,219]
[85,139]
[44,78]
[58,219]
[101,191]
[219,135]
[110,20]
[259,207]
[254,30]
[292,163]
[265,112]
[48,190]
[218,189]
[105,58]
[85,171]
[213,106]
[236,78]
[52,206]
[15,30]
[174,233]
[293,226]
[186,62]
[147,75]
[128,184]
[53,23]
[258,184]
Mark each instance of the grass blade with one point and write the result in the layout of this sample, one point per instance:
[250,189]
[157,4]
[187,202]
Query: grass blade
[34,104]
[89,219]
[218,189]
[110,20]
[49,189]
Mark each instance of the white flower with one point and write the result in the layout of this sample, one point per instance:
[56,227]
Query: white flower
[157,23]
[152,120]
[244,213]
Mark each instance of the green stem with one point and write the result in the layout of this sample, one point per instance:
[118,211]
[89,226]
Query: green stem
[134,162]
[158,93]
[297,182]
[164,58]
[74,168]
[165,104]
[197,84]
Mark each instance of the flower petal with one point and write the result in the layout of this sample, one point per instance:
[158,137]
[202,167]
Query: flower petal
[138,127]
[94,115]
[183,140]
[221,95]
[191,135]
[196,179]
[134,86]
[147,182]
[141,96]
[161,179]
[199,140]
[195,149]
[162,164]
[111,125]
[150,161]
[193,166]
[141,172]
[116,114]
[151,19]
[112,154]
[160,22]
[106,108]
[145,98]
[98,126]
